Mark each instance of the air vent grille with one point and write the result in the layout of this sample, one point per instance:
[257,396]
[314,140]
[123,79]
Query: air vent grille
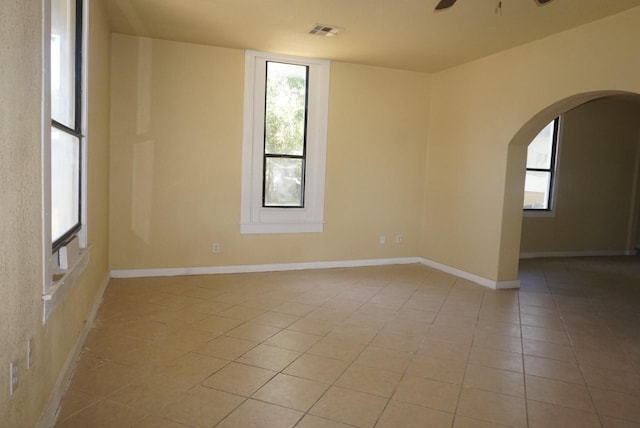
[325,30]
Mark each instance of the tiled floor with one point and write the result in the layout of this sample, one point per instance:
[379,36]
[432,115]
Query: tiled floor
[396,346]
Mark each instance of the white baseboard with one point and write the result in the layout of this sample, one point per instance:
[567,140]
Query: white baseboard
[212,270]
[490,283]
[549,254]
[48,418]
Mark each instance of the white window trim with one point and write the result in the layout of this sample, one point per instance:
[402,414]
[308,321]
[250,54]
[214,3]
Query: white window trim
[57,280]
[253,217]
[533,213]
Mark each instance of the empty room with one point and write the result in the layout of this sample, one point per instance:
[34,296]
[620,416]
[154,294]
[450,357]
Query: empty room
[249,213]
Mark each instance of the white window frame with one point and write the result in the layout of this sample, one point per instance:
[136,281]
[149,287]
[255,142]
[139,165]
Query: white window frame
[62,267]
[254,218]
[551,212]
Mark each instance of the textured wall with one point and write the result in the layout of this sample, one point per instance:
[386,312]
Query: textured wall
[20,211]
[20,223]
[474,196]
[176,148]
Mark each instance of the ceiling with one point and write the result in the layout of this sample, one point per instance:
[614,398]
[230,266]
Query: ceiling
[402,34]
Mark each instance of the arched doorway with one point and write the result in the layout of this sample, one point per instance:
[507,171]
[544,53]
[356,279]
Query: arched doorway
[514,191]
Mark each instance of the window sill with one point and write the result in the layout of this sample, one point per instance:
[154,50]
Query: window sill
[62,282]
[264,228]
[538,213]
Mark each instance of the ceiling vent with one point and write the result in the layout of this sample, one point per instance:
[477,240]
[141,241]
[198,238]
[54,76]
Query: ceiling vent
[325,30]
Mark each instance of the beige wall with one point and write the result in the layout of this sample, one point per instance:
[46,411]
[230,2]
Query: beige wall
[20,212]
[483,115]
[176,147]
[595,192]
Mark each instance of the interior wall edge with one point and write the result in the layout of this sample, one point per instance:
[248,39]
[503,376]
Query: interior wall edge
[50,413]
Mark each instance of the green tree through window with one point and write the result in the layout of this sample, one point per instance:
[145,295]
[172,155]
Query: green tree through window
[285,135]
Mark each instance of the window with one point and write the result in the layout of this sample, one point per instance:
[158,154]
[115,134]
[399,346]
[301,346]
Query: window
[541,168]
[284,143]
[63,146]
[66,119]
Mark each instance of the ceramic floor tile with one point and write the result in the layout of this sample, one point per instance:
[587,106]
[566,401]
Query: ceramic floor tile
[496,359]
[541,349]
[202,407]
[217,325]
[397,342]
[253,332]
[428,393]
[498,328]
[336,348]
[99,378]
[313,326]
[166,352]
[254,413]
[496,380]
[150,393]
[449,333]
[498,342]
[609,422]
[543,415]
[492,407]
[192,368]
[293,308]
[439,369]
[239,379]
[186,339]
[293,340]
[310,421]
[269,357]
[386,359]
[558,337]
[349,407]
[444,349]
[242,313]
[227,348]
[466,422]
[110,346]
[103,414]
[315,367]
[553,369]
[616,405]
[612,380]
[558,393]
[276,319]
[370,380]
[153,421]
[398,414]
[74,401]
[353,334]
[292,392]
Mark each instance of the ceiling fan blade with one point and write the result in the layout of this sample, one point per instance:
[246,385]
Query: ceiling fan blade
[445,4]
[541,2]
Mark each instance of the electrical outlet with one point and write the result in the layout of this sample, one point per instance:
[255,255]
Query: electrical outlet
[13,377]
[216,247]
[399,239]
[29,353]
[383,239]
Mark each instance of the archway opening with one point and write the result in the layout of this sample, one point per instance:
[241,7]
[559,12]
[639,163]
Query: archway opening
[592,151]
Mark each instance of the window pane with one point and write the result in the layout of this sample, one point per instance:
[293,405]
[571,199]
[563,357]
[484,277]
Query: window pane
[536,190]
[285,109]
[540,149]
[65,183]
[63,62]
[283,182]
